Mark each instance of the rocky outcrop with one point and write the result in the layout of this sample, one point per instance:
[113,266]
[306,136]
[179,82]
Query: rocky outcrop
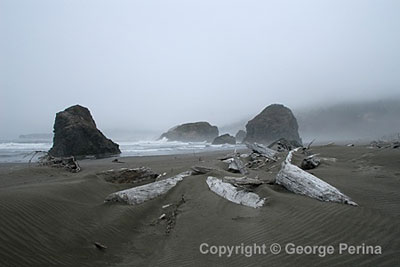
[240,136]
[192,132]
[76,134]
[273,123]
[224,139]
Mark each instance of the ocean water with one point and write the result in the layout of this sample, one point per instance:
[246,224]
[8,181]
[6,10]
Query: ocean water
[17,151]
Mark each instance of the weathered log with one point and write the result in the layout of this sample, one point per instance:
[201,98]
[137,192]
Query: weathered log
[140,194]
[301,182]
[198,170]
[237,166]
[262,150]
[231,193]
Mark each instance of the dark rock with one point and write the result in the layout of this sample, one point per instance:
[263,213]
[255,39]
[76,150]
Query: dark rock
[224,139]
[192,132]
[240,136]
[75,134]
[99,245]
[310,162]
[273,123]
[396,145]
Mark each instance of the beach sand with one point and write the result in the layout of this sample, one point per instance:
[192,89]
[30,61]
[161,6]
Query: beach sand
[53,217]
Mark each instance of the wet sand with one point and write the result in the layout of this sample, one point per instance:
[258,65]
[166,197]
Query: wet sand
[52,217]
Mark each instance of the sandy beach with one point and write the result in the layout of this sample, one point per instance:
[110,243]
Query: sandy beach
[53,217]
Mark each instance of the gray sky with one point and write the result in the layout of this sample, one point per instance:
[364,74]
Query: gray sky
[153,64]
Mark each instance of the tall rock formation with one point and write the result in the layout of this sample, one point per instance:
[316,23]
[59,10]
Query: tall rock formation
[76,134]
[274,122]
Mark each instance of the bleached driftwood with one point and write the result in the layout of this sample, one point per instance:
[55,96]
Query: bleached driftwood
[140,194]
[262,150]
[301,182]
[229,156]
[231,193]
[237,165]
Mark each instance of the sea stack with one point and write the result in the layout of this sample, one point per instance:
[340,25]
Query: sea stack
[240,136]
[76,134]
[192,132]
[224,139]
[274,122]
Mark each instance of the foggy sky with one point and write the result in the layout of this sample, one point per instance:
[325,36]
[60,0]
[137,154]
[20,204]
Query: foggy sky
[141,65]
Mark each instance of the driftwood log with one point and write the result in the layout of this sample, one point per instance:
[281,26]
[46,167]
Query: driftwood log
[237,165]
[301,182]
[140,194]
[233,194]
[262,150]
[198,170]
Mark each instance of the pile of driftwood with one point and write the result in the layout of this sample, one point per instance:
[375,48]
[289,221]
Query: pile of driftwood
[68,163]
[283,144]
[260,156]
[235,163]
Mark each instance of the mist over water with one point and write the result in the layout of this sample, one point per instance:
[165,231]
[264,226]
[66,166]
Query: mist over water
[144,67]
